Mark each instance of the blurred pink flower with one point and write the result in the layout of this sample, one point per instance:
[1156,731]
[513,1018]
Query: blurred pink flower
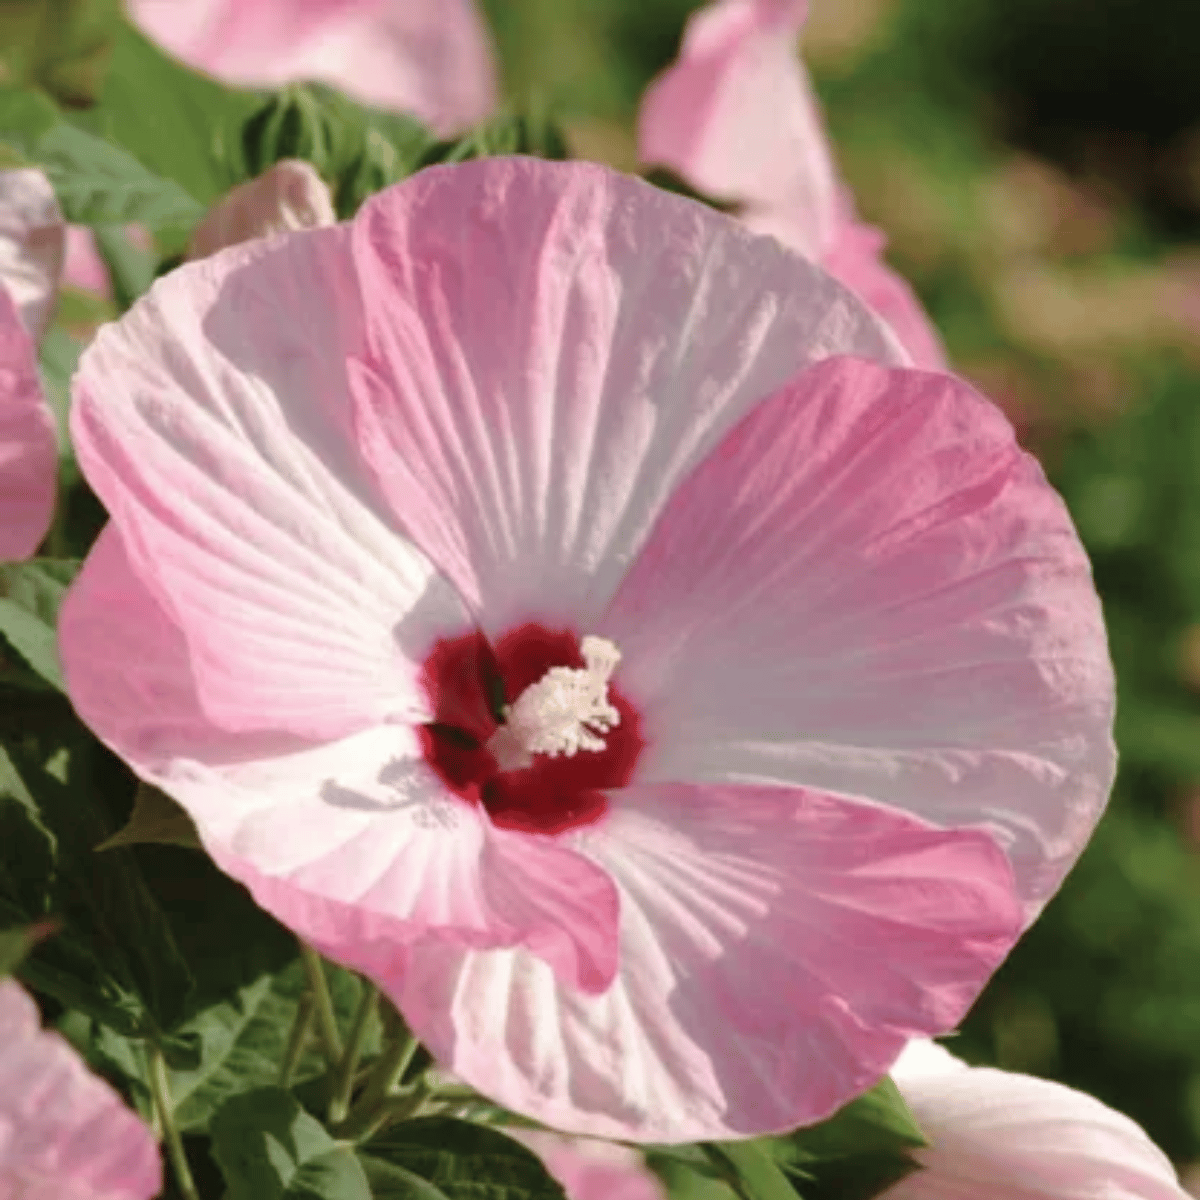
[430,58]
[592,1170]
[64,1133]
[31,252]
[1016,1137]
[287,196]
[736,117]
[672,718]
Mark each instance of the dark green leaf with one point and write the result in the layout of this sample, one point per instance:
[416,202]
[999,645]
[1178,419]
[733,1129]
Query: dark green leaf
[534,134]
[30,595]
[457,1160]
[687,1178]
[750,1170]
[269,1148]
[17,942]
[857,1177]
[155,818]
[58,356]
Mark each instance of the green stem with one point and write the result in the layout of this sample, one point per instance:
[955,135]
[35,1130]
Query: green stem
[160,1089]
[388,1072]
[327,1030]
[362,1126]
[297,1040]
[343,1084]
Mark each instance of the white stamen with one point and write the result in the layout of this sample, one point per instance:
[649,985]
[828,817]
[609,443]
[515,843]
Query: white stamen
[565,711]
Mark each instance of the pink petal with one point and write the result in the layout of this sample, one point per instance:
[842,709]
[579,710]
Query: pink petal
[84,268]
[355,845]
[590,1169]
[551,347]
[777,949]
[31,246]
[431,58]
[855,256]
[1014,1137]
[28,446]
[869,589]
[64,1133]
[210,421]
[287,196]
[735,116]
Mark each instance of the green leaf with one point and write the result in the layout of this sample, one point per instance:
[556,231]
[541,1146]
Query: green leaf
[857,1177]
[438,1158]
[269,1148]
[30,595]
[116,959]
[750,1170]
[130,268]
[60,45]
[178,124]
[155,818]
[16,943]
[244,1041]
[58,356]
[878,1121]
[25,118]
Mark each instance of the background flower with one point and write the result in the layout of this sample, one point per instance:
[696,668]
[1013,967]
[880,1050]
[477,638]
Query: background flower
[63,1131]
[431,58]
[736,117]
[1016,1137]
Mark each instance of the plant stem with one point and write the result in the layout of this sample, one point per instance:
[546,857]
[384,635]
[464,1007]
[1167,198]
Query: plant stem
[327,1030]
[297,1040]
[160,1089]
[343,1084]
[387,1073]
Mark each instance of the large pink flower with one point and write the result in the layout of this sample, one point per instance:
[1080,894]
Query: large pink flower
[1016,1137]
[64,1133]
[31,254]
[737,118]
[431,58]
[804,686]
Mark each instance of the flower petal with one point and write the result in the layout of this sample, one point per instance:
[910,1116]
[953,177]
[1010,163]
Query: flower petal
[777,949]
[1015,1137]
[735,115]
[592,1170]
[355,845]
[28,446]
[63,1131]
[211,421]
[552,346]
[869,589]
[32,245]
[431,58]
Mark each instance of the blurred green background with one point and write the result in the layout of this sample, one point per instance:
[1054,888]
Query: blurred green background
[1036,164]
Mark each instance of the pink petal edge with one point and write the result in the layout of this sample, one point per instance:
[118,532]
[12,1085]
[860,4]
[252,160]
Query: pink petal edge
[65,1132]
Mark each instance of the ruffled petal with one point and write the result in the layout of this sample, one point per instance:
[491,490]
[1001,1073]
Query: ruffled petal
[28,445]
[431,58]
[63,1131]
[32,245]
[735,115]
[211,421]
[869,589]
[1015,1137]
[551,347]
[355,845]
[778,948]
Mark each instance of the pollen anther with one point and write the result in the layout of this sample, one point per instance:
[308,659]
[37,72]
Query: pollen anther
[566,711]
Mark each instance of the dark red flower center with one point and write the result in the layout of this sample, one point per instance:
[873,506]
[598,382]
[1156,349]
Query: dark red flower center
[470,684]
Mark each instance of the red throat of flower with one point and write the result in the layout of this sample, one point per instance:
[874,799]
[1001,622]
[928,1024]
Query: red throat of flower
[477,745]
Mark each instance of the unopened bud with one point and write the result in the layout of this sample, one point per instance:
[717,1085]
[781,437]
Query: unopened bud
[288,196]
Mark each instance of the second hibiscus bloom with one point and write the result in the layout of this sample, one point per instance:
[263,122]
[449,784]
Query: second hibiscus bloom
[538,611]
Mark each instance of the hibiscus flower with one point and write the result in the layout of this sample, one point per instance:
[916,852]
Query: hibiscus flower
[538,609]
[64,1133]
[1016,1137]
[736,117]
[31,256]
[430,58]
